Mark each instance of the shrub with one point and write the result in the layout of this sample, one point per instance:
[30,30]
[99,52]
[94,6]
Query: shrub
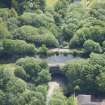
[38,36]
[95,33]
[103,45]
[72,100]
[12,23]
[43,50]
[25,33]
[6,13]
[91,46]
[36,72]
[18,47]
[4,33]
[36,19]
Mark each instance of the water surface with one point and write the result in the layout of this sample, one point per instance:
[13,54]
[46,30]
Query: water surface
[59,58]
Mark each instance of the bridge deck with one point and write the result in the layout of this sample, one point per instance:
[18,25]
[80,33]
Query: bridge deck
[55,64]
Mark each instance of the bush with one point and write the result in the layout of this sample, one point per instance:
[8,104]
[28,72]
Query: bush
[19,72]
[38,36]
[73,18]
[49,40]
[43,50]
[103,45]
[95,33]
[72,100]
[12,24]
[27,33]
[40,19]
[4,13]
[36,19]
[87,74]
[4,33]
[16,86]
[17,90]
[91,46]
[18,47]
[36,71]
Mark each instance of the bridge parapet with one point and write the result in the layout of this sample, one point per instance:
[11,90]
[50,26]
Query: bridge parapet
[56,64]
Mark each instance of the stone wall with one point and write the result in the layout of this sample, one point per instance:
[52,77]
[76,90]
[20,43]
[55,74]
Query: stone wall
[87,100]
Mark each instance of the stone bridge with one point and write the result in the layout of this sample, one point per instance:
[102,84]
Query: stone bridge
[56,65]
[55,68]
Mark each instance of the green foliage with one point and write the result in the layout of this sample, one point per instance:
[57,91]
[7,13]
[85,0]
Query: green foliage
[58,98]
[25,33]
[72,100]
[61,6]
[14,90]
[5,76]
[98,10]
[20,72]
[2,95]
[40,19]
[75,14]
[34,70]
[91,46]
[30,21]
[95,33]
[81,25]
[27,5]
[36,19]
[4,33]
[34,5]
[34,35]
[6,13]
[12,24]
[88,73]
[43,50]
[16,86]
[103,45]
[17,47]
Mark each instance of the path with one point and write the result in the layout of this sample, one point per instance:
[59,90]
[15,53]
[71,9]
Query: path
[52,86]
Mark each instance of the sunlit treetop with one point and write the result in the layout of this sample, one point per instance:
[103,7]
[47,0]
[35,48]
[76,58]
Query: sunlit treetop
[51,3]
[89,3]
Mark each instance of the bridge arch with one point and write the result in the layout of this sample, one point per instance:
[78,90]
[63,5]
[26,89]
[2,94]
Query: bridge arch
[58,75]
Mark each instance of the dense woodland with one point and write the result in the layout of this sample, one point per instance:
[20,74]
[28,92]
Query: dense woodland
[30,27]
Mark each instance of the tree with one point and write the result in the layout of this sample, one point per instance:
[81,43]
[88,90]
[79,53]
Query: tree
[34,70]
[87,74]
[75,14]
[103,45]
[58,98]
[17,47]
[38,36]
[85,33]
[100,81]
[37,19]
[16,86]
[2,95]
[91,46]
[4,33]
[12,24]
[43,50]
[72,100]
